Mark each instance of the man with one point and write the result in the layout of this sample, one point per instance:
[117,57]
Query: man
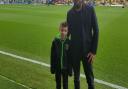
[83,28]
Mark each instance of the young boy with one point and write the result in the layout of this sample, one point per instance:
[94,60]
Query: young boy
[60,57]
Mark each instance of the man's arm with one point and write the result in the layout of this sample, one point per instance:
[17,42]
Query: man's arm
[95,28]
[95,32]
[69,23]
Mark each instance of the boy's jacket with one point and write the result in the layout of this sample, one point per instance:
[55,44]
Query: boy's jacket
[60,55]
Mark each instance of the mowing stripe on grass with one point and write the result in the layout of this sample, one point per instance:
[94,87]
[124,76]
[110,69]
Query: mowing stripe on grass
[15,82]
[47,65]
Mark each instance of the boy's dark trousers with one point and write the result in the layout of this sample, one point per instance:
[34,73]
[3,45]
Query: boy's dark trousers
[88,70]
[61,74]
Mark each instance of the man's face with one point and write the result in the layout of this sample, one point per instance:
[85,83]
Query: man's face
[64,31]
[77,3]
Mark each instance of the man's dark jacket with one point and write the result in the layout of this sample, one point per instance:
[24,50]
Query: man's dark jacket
[83,28]
[60,55]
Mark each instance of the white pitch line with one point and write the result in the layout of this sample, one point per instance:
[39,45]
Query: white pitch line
[15,82]
[47,65]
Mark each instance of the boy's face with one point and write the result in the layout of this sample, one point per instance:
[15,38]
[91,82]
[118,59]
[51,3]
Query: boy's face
[64,31]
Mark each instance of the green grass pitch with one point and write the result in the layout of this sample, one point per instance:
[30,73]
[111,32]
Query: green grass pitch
[28,30]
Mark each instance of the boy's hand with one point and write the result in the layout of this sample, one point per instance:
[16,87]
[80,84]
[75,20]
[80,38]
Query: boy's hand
[52,71]
[70,74]
[90,57]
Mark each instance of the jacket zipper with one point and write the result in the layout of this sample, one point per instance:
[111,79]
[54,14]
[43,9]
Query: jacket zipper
[62,54]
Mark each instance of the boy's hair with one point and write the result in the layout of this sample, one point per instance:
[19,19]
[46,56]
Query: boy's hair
[64,24]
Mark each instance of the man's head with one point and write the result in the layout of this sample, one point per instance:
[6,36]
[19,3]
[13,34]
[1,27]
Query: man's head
[77,3]
[63,29]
